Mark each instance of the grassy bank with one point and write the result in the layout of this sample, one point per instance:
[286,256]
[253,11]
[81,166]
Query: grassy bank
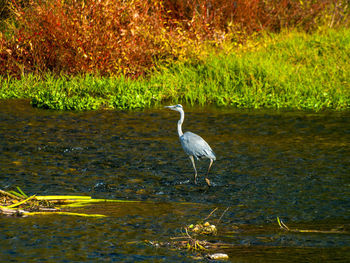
[287,70]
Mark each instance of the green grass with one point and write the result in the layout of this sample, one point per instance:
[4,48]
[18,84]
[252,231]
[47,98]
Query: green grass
[79,92]
[288,70]
[294,70]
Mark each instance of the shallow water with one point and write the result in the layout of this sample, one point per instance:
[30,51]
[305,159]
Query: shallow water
[294,165]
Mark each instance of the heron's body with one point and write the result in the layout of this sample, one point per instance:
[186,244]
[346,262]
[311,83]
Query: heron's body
[194,145]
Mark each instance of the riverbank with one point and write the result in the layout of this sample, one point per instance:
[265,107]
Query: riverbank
[291,70]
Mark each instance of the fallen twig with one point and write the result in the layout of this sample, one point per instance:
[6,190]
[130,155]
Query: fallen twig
[210,214]
[22,202]
[286,228]
[222,215]
[10,195]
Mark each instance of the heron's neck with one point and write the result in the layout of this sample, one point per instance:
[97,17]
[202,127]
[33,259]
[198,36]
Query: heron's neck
[179,123]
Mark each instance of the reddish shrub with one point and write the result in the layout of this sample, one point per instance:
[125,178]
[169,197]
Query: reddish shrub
[126,37]
[87,36]
[250,15]
[289,13]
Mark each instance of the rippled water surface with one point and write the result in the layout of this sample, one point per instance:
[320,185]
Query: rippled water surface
[294,165]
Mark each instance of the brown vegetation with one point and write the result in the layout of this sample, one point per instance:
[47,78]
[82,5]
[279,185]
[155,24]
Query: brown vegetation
[116,37]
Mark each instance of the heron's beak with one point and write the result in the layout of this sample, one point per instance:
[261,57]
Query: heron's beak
[170,107]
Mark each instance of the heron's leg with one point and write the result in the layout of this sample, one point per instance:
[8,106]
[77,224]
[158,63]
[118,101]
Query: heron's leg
[211,162]
[195,170]
[206,179]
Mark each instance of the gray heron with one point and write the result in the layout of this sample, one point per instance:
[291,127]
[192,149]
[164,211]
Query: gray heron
[194,145]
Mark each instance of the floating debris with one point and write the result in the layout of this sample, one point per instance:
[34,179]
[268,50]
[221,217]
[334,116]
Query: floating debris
[332,231]
[203,229]
[190,241]
[217,256]
[14,203]
[63,213]
[19,204]
[191,245]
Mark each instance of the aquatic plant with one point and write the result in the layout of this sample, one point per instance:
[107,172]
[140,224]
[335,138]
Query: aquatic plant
[284,227]
[14,203]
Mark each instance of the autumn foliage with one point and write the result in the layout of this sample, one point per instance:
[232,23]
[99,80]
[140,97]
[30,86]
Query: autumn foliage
[114,37]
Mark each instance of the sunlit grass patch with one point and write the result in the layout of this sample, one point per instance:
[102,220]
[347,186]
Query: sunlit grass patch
[291,70]
[14,203]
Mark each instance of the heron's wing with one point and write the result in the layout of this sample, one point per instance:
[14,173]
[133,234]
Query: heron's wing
[195,145]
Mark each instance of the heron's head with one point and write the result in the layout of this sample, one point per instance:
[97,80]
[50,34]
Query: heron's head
[177,107]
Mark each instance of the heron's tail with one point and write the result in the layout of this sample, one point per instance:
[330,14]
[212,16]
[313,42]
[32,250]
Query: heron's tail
[210,154]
